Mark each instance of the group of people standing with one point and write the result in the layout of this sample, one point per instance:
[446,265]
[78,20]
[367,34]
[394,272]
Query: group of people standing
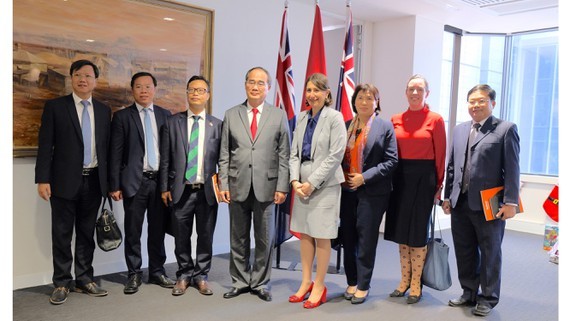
[341,174]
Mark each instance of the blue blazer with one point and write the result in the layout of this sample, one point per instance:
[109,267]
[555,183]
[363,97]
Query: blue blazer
[380,158]
[494,162]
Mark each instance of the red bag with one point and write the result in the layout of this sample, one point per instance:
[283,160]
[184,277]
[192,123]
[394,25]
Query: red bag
[551,204]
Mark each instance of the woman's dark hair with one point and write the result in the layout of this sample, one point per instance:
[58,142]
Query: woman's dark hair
[366,88]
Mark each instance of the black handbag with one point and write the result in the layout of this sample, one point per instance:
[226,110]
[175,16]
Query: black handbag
[436,274]
[109,235]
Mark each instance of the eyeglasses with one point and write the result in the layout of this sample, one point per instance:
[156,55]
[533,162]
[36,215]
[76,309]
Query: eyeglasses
[252,83]
[199,91]
[480,102]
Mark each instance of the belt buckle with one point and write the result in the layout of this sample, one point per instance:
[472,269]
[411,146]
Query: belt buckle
[196,186]
[86,172]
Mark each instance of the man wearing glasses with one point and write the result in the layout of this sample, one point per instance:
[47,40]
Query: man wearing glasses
[254,175]
[484,154]
[71,173]
[190,149]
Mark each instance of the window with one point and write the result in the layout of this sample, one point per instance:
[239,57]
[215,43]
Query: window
[523,69]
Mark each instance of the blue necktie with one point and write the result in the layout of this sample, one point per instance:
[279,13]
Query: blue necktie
[192,160]
[149,140]
[86,133]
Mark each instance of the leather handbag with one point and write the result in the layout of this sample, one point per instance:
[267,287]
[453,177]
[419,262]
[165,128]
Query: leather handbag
[436,274]
[109,236]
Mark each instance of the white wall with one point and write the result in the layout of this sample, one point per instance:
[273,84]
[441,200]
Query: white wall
[244,38]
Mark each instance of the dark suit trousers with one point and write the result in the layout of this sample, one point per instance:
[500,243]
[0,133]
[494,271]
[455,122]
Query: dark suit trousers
[147,199]
[478,252]
[81,213]
[360,218]
[243,273]
[193,205]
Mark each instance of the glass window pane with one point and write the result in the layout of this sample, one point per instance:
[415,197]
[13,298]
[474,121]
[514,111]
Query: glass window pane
[532,100]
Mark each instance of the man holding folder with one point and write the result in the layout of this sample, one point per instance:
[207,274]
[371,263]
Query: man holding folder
[484,154]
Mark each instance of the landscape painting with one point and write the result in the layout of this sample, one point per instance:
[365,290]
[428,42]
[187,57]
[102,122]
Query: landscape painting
[173,41]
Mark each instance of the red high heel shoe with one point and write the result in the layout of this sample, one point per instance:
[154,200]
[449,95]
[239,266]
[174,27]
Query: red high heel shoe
[310,305]
[297,299]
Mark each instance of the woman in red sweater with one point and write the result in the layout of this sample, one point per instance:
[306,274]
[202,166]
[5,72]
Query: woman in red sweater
[420,134]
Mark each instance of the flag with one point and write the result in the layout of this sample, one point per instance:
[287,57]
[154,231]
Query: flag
[285,99]
[346,82]
[317,61]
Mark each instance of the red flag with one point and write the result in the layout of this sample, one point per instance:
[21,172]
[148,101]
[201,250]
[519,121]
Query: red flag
[346,82]
[317,61]
[285,99]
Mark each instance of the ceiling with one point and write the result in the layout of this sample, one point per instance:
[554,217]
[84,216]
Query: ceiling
[504,16]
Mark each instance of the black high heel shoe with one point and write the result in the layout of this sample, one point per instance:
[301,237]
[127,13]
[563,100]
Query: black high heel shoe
[398,294]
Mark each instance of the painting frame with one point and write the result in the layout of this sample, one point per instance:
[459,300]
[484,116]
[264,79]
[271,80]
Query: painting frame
[46,76]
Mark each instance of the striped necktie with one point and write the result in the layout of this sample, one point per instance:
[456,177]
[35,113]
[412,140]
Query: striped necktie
[86,133]
[192,160]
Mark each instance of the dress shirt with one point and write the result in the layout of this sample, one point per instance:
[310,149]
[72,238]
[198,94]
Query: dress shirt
[155,134]
[201,137]
[308,137]
[79,109]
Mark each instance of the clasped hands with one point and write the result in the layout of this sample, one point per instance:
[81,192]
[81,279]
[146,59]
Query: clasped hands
[304,190]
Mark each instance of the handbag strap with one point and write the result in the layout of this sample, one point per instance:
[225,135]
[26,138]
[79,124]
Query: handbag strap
[110,203]
[432,225]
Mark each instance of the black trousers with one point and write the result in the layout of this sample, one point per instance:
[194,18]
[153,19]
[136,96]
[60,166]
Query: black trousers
[360,218]
[79,213]
[193,205]
[147,199]
[478,252]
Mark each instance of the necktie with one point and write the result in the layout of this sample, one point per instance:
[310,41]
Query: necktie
[192,160]
[86,133]
[466,172]
[254,123]
[149,140]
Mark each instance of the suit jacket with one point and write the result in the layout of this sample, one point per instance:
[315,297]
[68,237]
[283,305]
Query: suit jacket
[327,148]
[260,162]
[494,161]
[379,157]
[174,152]
[60,146]
[127,148]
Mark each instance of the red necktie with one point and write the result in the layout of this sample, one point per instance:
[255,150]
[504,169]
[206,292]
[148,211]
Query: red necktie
[254,123]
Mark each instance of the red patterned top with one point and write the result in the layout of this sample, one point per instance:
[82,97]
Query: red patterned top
[421,135]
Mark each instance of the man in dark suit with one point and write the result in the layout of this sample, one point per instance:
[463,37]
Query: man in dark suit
[190,150]
[133,175]
[254,169]
[71,172]
[484,154]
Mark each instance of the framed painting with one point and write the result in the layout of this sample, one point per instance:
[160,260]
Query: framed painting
[171,40]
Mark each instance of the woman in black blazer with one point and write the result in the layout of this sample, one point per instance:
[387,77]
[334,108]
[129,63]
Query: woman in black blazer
[370,158]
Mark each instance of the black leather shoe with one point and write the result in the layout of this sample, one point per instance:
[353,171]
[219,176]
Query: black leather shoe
[413,299]
[359,300]
[133,284]
[161,280]
[59,295]
[91,288]
[398,294]
[481,310]
[461,302]
[263,294]
[235,292]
